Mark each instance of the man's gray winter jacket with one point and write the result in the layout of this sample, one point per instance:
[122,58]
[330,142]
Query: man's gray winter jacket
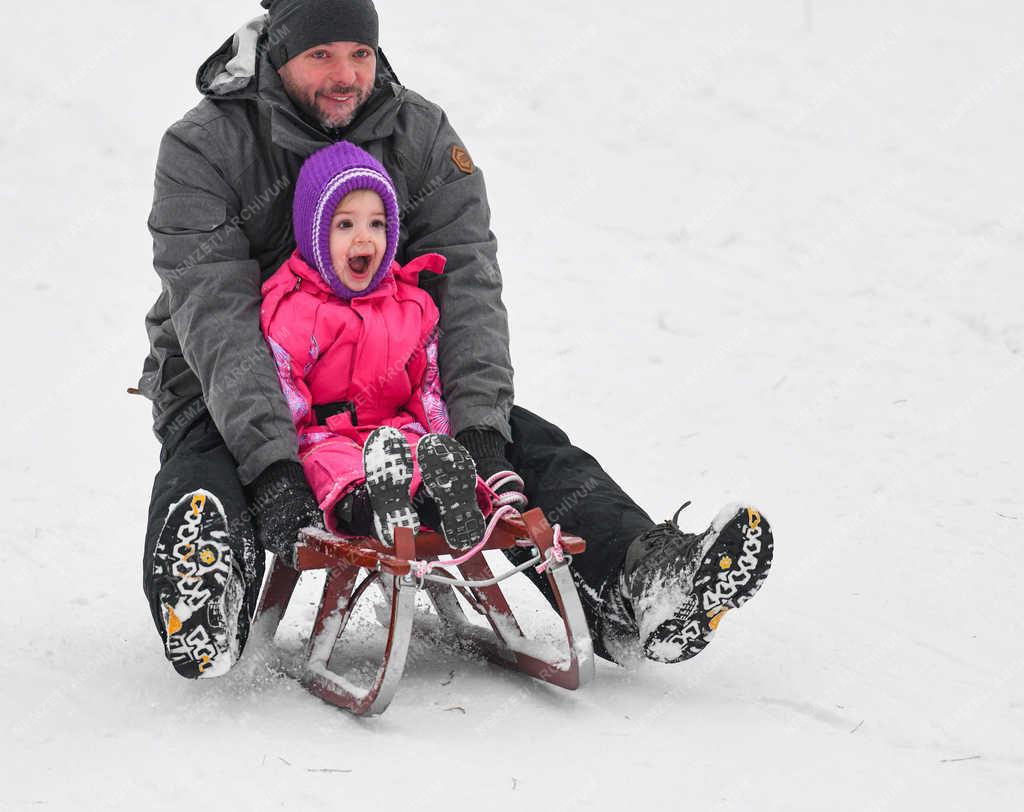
[221,225]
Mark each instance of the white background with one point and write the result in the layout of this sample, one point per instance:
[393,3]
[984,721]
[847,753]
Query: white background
[752,250]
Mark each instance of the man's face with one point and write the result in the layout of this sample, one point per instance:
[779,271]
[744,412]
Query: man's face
[329,82]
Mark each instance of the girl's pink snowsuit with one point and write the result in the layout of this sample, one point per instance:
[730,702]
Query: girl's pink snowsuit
[377,351]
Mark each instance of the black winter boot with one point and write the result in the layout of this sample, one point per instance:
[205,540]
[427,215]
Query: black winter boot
[200,588]
[387,464]
[449,478]
[675,586]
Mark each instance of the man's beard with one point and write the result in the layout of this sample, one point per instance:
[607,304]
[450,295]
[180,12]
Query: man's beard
[308,107]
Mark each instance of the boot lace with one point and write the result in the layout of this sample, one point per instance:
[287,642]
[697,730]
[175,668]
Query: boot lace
[674,521]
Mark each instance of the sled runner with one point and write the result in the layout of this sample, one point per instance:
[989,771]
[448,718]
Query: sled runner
[413,565]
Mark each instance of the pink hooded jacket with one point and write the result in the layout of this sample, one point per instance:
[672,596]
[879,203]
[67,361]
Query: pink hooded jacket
[377,351]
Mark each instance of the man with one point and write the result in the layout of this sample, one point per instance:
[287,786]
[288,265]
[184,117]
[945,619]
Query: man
[229,486]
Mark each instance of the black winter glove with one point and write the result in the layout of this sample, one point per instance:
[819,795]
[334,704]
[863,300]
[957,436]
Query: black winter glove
[282,504]
[487,448]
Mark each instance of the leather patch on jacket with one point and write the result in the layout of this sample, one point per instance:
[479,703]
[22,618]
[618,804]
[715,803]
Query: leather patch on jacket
[461,159]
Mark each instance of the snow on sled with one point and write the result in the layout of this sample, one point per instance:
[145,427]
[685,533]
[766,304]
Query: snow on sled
[413,566]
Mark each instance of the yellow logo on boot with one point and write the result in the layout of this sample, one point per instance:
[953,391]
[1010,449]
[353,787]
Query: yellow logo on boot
[173,623]
[720,613]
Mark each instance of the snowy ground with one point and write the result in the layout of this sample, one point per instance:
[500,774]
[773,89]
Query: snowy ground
[815,208]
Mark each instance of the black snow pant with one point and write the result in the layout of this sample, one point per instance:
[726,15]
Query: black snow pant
[195,458]
[564,481]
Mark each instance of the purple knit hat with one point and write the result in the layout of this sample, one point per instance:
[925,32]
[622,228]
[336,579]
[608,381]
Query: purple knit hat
[325,178]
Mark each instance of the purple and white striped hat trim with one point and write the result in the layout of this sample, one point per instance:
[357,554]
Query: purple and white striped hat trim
[349,181]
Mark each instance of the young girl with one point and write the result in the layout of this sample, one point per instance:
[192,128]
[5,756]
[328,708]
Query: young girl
[355,343]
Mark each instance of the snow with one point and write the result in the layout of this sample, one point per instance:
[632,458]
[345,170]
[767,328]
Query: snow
[751,250]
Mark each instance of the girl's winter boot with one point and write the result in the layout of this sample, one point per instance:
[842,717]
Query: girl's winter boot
[387,464]
[449,478]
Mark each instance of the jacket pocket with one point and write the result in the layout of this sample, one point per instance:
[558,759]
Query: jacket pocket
[185,213]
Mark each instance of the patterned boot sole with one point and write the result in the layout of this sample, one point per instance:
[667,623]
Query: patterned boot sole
[449,476]
[734,565]
[201,588]
[387,463]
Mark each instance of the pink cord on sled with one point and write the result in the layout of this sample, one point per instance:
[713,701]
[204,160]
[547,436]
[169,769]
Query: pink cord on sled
[505,504]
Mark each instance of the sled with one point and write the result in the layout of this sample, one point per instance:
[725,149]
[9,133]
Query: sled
[355,564]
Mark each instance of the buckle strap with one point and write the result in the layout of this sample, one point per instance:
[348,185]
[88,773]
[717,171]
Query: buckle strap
[324,410]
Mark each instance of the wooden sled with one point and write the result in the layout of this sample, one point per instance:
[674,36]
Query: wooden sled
[411,566]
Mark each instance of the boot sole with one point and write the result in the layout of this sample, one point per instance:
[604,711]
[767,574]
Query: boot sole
[388,467]
[733,568]
[449,476]
[201,591]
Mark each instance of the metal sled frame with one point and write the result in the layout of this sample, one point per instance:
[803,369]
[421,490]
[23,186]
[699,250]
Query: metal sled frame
[345,558]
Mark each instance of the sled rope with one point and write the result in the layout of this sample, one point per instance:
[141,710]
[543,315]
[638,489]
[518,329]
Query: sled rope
[450,580]
[514,496]
[556,553]
[422,569]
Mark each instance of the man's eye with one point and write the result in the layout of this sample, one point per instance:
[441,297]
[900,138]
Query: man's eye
[362,53]
[318,54]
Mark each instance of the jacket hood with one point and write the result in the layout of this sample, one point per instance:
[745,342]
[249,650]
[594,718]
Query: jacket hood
[230,69]
[240,69]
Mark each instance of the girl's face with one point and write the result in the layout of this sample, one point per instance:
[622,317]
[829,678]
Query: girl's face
[358,238]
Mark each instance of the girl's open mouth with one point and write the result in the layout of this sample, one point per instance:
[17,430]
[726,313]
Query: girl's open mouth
[358,265]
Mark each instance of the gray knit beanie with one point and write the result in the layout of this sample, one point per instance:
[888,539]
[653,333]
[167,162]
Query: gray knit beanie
[297,25]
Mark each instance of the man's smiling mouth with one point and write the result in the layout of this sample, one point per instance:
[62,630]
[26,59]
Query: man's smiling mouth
[340,98]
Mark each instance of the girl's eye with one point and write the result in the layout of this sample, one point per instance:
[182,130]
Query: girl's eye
[379,224]
[344,224]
